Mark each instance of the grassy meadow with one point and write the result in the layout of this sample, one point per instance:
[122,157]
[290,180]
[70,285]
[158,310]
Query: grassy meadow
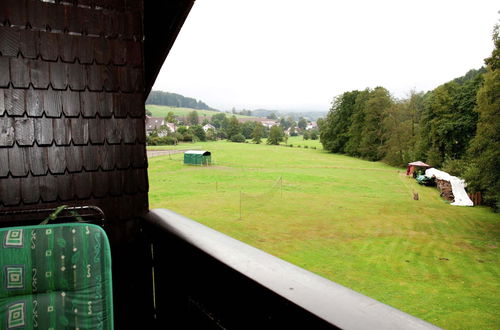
[163,110]
[352,221]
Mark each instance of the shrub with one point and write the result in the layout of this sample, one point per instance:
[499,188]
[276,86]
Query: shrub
[178,136]
[238,138]
[153,140]
[169,140]
[182,129]
[198,131]
[456,167]
[187,137]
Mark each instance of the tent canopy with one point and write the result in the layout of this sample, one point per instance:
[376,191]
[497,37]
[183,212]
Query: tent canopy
[412,166]
[418,163]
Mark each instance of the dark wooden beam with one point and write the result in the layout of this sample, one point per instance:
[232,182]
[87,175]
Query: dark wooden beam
[162,23]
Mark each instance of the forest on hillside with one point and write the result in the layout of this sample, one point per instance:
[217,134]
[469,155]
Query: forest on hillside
[176,100]
[456,126]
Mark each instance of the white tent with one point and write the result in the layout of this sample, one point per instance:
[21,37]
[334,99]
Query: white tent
[457,186]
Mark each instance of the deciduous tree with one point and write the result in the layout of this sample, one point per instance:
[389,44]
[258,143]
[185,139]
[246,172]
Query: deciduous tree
[275,135]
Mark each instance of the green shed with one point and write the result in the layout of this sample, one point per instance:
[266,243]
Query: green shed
[197,157]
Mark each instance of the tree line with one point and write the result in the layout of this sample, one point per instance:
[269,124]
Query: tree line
[176,100]
[190,128]
[456,126]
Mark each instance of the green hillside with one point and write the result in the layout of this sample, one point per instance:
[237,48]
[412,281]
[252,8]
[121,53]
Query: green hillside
[163,110]
[349,220]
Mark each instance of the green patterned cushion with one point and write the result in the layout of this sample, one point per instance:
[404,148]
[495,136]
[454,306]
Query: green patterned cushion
[55,277]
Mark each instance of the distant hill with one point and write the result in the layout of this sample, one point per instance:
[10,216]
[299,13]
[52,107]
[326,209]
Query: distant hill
[173,100]
[296,115]
[176,100]
[163,110]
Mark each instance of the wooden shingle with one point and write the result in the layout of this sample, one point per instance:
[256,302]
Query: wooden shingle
[44,131]
[48,46]
[34,102]
[24,129]
[30,189]
[4,72]
[7,136]
[88,104]
[4,162]
[57,159]
[18,161]
[107,156]
[52,103]
[71,103]
[14,100]
[48,188]
[101,186]
[9,41]
[19,72]
[39,74]
[65,187]
[85,183]
[77,76]
[58,75]
[38,160]
[28,44]
[62,131]
[74,159]
[97,130]
[79,130]
[91,157]
[10,190]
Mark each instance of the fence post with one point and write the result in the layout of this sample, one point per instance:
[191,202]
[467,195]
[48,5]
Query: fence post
[281,186]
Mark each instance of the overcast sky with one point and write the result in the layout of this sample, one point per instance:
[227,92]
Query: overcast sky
[299,54]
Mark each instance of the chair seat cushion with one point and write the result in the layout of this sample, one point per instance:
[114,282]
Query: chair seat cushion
[55,277]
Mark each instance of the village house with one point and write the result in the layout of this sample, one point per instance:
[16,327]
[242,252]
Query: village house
[171,127]
[269,123]
[264,121]
[207,127]
[311,125]
[155,123]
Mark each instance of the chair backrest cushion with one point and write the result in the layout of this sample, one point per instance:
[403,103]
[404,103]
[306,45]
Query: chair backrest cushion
[55,277]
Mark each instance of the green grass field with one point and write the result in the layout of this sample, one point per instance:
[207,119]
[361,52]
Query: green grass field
[297,141]
[163,110]
[352,221]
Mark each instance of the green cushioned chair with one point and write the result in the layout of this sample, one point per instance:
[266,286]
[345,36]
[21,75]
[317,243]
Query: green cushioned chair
[55,276]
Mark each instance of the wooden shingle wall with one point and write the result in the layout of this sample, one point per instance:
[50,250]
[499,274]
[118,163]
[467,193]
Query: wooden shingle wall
[72,105]
[72,125]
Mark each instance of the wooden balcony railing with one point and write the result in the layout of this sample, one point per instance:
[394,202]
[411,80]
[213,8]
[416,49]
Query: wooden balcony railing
[204,279]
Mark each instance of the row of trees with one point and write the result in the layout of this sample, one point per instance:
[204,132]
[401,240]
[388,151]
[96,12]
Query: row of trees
[227,128]
[175,100]
[455,126]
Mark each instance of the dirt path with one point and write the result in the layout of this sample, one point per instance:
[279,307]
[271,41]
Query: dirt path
[154,153]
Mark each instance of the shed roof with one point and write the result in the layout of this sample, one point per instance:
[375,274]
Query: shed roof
[197,152]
